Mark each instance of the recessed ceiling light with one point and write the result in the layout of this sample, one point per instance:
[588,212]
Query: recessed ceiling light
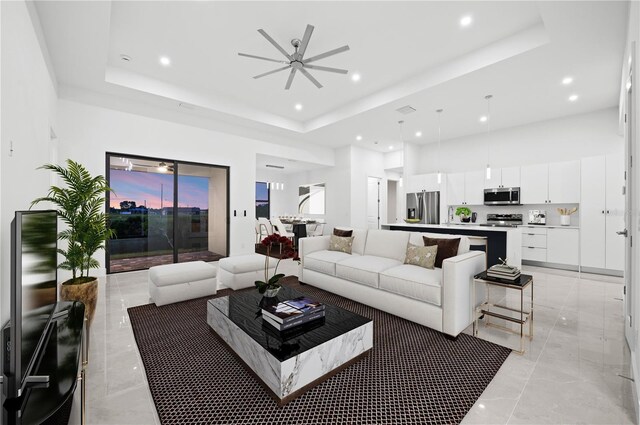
[573,98]
[165,61]
[465,21]
[418,133]
[358,137]
[298,107]
[355,77]
[483,118]
[391,147]
[567,80]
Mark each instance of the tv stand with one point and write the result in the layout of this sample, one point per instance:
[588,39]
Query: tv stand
[63,361]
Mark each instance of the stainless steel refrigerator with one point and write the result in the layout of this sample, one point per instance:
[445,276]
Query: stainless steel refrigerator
[424,206]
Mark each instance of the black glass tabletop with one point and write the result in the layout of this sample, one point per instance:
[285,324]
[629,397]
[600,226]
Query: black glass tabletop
[245,310]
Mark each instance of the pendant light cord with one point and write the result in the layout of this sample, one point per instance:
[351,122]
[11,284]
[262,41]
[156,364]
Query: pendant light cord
[488,97]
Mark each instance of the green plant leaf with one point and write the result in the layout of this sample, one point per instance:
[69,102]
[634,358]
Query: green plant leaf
[275,278]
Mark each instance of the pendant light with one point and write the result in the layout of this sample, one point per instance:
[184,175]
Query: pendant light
[439,112]
[488,97]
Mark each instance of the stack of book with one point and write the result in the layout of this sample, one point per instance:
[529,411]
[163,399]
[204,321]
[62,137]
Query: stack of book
[289,314]
[503,271]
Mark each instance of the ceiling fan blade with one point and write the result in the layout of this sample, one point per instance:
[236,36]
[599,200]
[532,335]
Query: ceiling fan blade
[327,54]
[310,77]
[324,68]
[305,40]
[276,45]
[290,79]
[272,72]
[260,57]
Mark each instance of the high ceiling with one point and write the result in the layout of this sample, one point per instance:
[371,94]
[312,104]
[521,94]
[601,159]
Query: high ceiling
[407,53]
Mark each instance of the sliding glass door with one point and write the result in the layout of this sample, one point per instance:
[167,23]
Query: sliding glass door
[165,211]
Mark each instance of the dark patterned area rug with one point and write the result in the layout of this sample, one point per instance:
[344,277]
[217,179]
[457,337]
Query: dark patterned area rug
[414,375]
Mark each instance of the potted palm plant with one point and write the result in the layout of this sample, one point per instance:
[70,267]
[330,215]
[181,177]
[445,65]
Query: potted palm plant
[80,205]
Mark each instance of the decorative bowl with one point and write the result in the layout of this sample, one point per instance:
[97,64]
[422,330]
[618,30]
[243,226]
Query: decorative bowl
[412,220]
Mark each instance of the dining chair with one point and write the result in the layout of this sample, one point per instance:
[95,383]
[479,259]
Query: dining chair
[281,230]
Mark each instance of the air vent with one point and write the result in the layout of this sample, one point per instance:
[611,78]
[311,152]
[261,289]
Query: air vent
[405,110]
[186,106]
[280,167]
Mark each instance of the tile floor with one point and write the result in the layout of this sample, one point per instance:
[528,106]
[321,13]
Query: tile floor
[569,373]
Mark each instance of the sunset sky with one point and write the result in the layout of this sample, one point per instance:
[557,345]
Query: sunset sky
[140,187]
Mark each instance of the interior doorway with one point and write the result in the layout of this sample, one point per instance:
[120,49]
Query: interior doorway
[373,202]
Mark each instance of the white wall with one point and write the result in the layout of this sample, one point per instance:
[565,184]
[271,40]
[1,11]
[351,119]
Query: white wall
[366,163]
[88,132]
[562,139]
[27,115]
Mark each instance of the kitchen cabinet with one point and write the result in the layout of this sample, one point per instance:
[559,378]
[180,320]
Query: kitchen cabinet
[534,184]
[563,246]
[602,212]
[534,244]
[424,182]
[564,182]
[554,183]
[503,177]
[465,188]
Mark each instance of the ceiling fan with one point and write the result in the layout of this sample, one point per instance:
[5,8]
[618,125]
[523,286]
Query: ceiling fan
[162,167]
[296,60]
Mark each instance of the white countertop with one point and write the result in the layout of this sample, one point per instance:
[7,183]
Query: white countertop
[455,226]
[549,226]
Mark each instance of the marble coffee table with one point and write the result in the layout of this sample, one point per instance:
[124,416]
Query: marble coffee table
[292,362]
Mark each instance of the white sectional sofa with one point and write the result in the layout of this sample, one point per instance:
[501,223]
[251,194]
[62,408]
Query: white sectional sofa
[375,274]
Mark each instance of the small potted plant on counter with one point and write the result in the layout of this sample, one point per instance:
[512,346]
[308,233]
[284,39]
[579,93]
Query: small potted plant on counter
[464,213]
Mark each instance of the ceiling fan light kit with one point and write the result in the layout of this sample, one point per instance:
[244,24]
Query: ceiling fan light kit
[296,60]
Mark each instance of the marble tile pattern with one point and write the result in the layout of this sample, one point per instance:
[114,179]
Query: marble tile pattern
[285,377]
[569,374]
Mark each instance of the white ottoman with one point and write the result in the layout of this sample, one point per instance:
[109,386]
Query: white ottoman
[172,283]
[242,271]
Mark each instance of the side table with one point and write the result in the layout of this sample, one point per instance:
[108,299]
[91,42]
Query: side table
[514,315]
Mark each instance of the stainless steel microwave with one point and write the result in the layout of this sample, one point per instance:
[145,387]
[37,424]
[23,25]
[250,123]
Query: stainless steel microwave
[502,196]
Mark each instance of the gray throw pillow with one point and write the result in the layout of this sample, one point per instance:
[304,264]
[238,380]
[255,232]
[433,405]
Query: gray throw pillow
[341,243]
[423,256]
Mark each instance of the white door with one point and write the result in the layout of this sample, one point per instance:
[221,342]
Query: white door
[614,202]
[373,203]
[511,177]
[474,187]
[630,209]
[455,189]
[564,182]
[592,212]
[534,182]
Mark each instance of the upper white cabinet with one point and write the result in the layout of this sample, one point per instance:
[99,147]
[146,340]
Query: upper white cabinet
[503,177]
[554,183]
[455,189]
[564,182]
[424,182]
[465,188]
[534,184]
[602,212]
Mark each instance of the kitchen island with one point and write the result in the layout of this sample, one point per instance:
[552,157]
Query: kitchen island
[502,242]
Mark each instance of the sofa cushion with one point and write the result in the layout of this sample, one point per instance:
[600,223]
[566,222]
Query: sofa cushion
[324,261]
[413,282]
[387,243]
[364,269]
[359,239]
[341,243]
[343,233]
[421,256]
[447,248]
[463,248]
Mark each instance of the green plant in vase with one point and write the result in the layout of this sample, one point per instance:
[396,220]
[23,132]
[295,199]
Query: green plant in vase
[464,213]
[80,205]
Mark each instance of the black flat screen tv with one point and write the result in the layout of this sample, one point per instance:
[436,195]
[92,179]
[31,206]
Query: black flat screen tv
[33,293]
